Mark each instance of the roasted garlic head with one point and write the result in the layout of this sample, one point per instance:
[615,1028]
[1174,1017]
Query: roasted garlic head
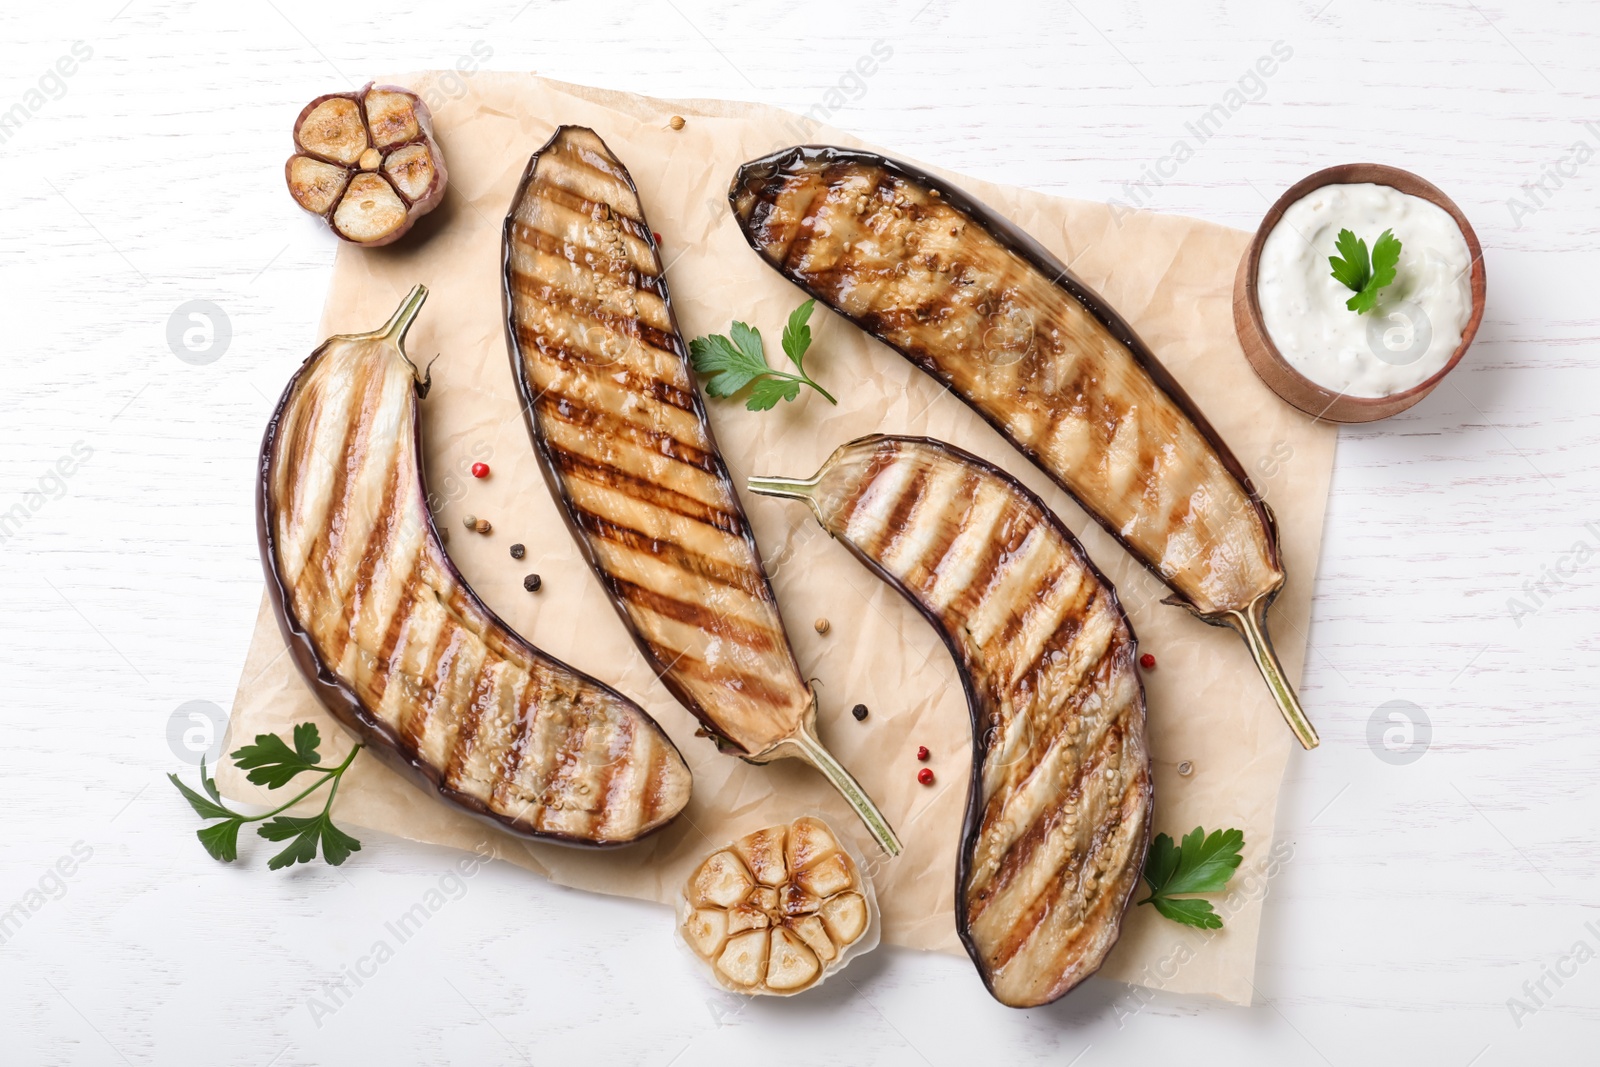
[779,909]
[367,163]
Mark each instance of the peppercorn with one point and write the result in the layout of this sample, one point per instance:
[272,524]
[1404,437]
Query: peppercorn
[656,235]
[517,551]
[480,470]
[860,712]
[1186,768]
[483,526]
[470,521]
[1147,661]
[822,626]
[676,122]
[532,583]
[925,776]
[922,753]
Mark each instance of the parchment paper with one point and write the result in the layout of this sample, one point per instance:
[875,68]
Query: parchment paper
[1171,277]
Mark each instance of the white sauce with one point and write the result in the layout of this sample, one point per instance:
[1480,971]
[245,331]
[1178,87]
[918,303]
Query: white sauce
[1417,324]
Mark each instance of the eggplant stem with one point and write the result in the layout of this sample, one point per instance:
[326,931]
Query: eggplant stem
[787,489]
[394,331]
[812,752]
[1252,624]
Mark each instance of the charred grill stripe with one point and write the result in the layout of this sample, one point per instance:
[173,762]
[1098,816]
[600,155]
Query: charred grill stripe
[690,563]
[551,245]
[1019,858]
[895,525]
[751,636]
[572,359]
[465,737]
[544,292]
[442,662]
[574,466]
[553,405]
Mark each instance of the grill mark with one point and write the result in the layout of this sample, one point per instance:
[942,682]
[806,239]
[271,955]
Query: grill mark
[694,614]
[584,469]
[441,664]
[587,258]
[467,726]
[574,412]
[619,759]
[399,619]
[910,496]
[643,385]
[546,292]
[752,686]
[546,187]
[322,561]
[1091,903]
[569,758]
[1020,855]
[925,568]
[691,563]
[569,153]
[884,458]
[375,550]
[523,709]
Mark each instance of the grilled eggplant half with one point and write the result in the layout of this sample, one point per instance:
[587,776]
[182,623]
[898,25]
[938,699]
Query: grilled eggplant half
[399,648]
[1058,808]
[626,447]
[985,309]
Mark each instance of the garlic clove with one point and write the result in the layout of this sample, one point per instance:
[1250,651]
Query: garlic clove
[369,211]
[744,960]
[763,851]
[332,128]
[845,916]
[706,929]
[411,170]
[315,185]
[791,965]
[721,881]
[826,877]
[392,117]
[814,934]
[809,840]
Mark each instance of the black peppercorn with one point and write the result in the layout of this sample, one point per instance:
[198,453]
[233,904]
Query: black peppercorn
[531,583]
[860,712]
[517,551]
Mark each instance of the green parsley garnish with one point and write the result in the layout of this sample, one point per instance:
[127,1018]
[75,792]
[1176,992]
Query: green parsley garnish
[1365,276]
[1201,865]
[272,763]
[740,361]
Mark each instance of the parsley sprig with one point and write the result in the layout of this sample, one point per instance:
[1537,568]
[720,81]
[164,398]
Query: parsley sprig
[1202,864]
[740,360]
[272,763]
[1366,276]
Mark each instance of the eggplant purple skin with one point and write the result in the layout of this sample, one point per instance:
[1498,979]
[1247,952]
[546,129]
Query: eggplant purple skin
[757,173]
[552,474]
[973,817]
[339,699]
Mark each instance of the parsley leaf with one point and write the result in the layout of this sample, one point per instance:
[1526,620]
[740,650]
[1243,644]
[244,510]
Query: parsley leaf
[1365,275]
[1202,864]
[732,363]
[271,762]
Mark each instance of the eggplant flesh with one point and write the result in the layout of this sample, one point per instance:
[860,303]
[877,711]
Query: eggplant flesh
[1058,806]
[972,300]
[626,447]
[398,647]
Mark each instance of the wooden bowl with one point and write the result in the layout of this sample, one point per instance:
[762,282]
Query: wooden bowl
[1280,375]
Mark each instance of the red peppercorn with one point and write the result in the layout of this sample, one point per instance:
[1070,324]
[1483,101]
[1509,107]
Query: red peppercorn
[922,753]
[656,235]
[1147,661]
[480,470]
[925,776]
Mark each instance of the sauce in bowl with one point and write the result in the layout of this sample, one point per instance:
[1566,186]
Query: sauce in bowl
[1419,318]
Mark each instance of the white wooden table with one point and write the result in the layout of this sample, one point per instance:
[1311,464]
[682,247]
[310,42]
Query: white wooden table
[1421,897]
